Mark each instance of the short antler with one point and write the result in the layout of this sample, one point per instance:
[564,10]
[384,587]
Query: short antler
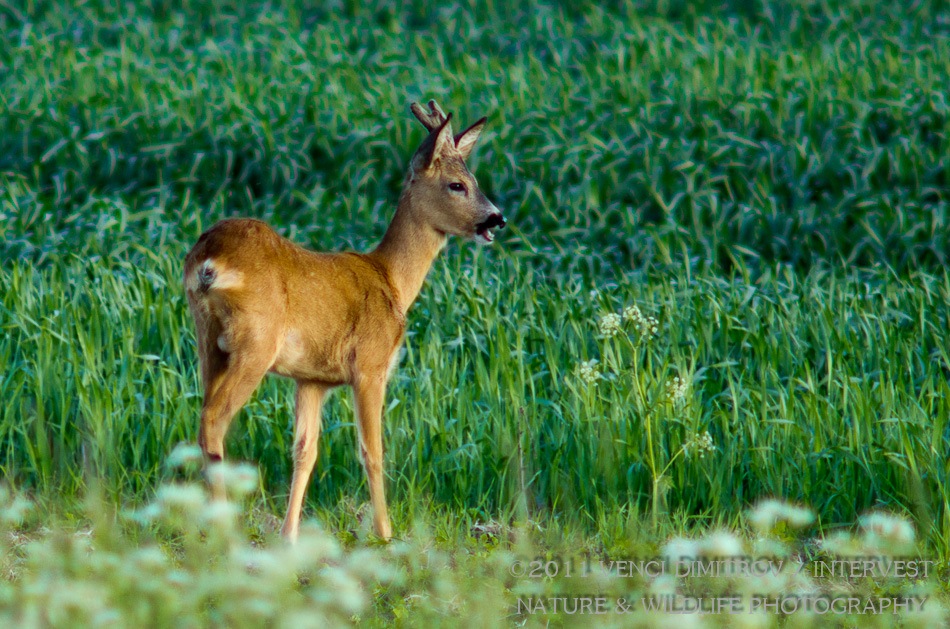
[435,118]
[431,119]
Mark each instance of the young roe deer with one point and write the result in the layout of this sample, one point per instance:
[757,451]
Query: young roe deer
[264,304]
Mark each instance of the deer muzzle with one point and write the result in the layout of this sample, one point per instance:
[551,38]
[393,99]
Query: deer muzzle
[484,229]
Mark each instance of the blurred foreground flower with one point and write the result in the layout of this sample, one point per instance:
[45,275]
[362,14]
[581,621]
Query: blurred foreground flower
[721,544]
[13,509]
[185,498]
[887,530]
[185,455]
[770,512]
[681,549]
[239,479]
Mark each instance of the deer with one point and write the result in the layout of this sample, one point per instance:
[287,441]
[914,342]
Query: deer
[263,304]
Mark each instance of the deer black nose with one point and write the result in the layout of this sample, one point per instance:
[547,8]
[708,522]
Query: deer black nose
[495,220]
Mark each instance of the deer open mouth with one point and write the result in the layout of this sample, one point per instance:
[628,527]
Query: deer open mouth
[483,231]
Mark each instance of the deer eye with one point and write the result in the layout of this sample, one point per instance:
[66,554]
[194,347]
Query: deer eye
[456,186]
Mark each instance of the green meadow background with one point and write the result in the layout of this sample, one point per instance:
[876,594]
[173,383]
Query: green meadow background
[768,180]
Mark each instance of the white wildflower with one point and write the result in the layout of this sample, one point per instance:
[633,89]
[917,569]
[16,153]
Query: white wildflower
[588,372]
[341,589]
[314,545]
[721,544]
[609,324]
[149,559]
[676,388]
[241,479]
[699,444]
[184,455]
[633,313]
[149,513]
[650,327]
[220,513]
[14,511]
[665,584]
[770,512]
[646,325]
[842,544]
[266,564]
[680,549]
[887,530]
[768,547]
[184,498]
[933,615]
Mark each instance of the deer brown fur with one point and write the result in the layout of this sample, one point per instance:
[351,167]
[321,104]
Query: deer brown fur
[264,304]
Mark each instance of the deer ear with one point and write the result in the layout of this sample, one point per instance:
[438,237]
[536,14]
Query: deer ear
[443,138]
[433,147]
[465,141]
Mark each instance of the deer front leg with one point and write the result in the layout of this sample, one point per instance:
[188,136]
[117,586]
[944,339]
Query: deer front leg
[307,423]
[369,393]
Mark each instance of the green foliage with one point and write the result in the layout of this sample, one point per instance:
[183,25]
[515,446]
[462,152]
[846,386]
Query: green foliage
[648,131]
[182,561]
[767,179]
[795,379]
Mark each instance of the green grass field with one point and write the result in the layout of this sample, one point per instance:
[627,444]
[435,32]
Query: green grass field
[767,182]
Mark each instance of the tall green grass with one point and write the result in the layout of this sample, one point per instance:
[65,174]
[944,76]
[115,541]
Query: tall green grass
[768,180]
[827,389]
[748,132]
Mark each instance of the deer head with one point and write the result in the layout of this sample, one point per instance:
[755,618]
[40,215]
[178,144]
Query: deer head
[442,188]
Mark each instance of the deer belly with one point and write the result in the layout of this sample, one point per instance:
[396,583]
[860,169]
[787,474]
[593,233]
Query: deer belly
[301,359]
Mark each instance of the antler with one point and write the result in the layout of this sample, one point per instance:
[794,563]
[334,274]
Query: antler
[432,119]
[435,118]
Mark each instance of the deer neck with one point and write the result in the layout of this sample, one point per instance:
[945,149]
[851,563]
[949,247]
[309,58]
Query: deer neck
[407,251]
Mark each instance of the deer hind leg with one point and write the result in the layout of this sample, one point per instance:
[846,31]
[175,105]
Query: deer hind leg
[307,423]
[369,393]
[230,377]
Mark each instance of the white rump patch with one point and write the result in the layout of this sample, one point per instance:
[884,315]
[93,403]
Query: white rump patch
[225,278]
[213,275]
[192,283]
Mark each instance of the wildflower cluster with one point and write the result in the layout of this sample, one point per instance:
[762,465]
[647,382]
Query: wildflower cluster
[676,388]
[185,456]
[884,529]
[588,372]
[883,534]
[772,567]
[699,444]
[647,325]
[770,512]
[609,325]
[633,313]
[650,327]
[13,508]
[717,543]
